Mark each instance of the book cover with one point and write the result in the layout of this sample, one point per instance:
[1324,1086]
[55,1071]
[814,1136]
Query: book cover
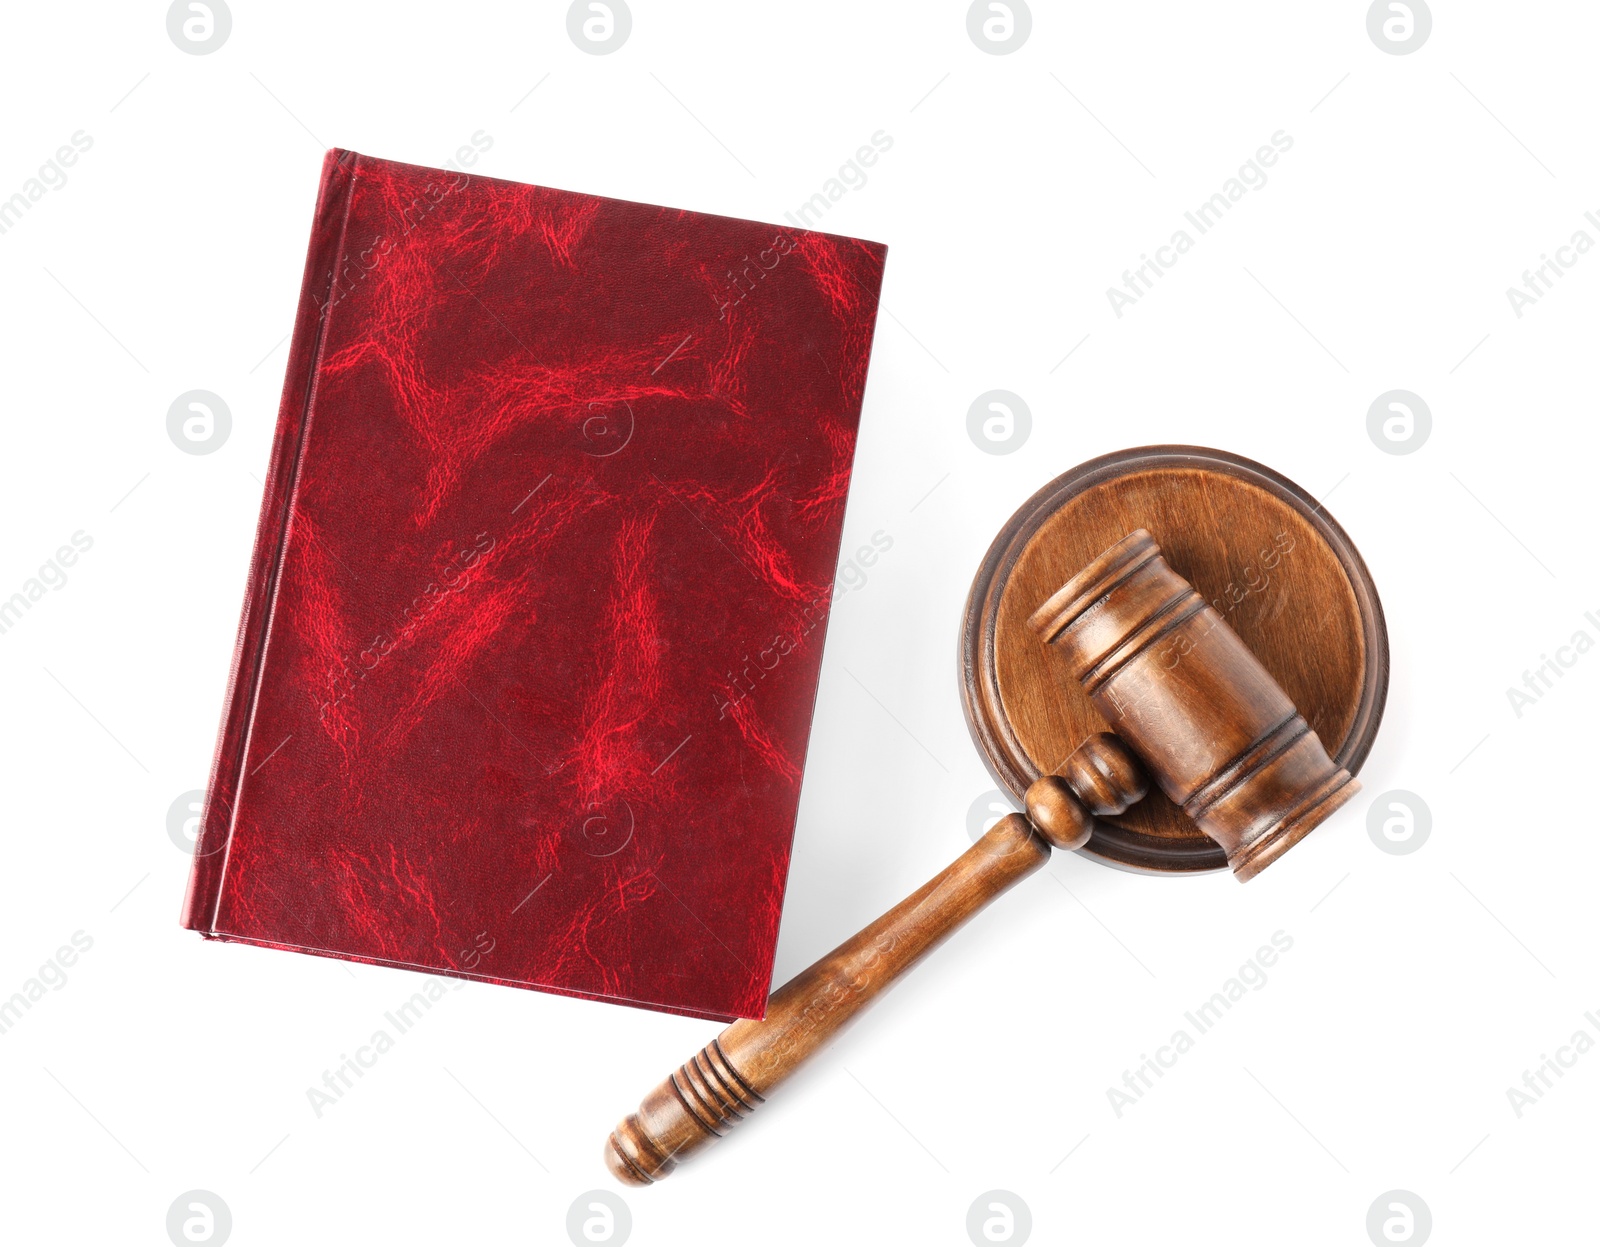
[534,621]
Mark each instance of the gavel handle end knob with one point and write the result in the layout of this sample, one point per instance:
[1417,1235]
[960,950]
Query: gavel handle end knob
[697,1104]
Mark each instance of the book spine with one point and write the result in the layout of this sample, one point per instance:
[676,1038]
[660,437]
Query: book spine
[317,291]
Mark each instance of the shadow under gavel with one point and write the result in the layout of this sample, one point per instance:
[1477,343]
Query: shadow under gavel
[1186,697]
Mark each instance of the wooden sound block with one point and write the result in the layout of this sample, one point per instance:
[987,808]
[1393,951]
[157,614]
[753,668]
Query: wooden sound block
[1261,550]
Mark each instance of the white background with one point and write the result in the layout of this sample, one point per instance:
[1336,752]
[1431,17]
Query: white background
[1018,188]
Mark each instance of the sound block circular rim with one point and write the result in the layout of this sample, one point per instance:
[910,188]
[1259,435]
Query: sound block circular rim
[1004,754]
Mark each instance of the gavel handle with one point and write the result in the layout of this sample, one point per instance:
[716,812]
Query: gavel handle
[736,1071]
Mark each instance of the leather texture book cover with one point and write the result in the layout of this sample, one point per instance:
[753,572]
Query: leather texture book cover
[534,621]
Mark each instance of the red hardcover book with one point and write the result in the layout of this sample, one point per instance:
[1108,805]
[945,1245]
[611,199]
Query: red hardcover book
[534,621]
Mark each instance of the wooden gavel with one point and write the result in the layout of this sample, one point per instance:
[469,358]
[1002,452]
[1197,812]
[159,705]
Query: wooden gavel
[1184,694]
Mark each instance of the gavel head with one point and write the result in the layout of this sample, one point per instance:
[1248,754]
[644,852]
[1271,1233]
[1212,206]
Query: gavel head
[1176,683]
